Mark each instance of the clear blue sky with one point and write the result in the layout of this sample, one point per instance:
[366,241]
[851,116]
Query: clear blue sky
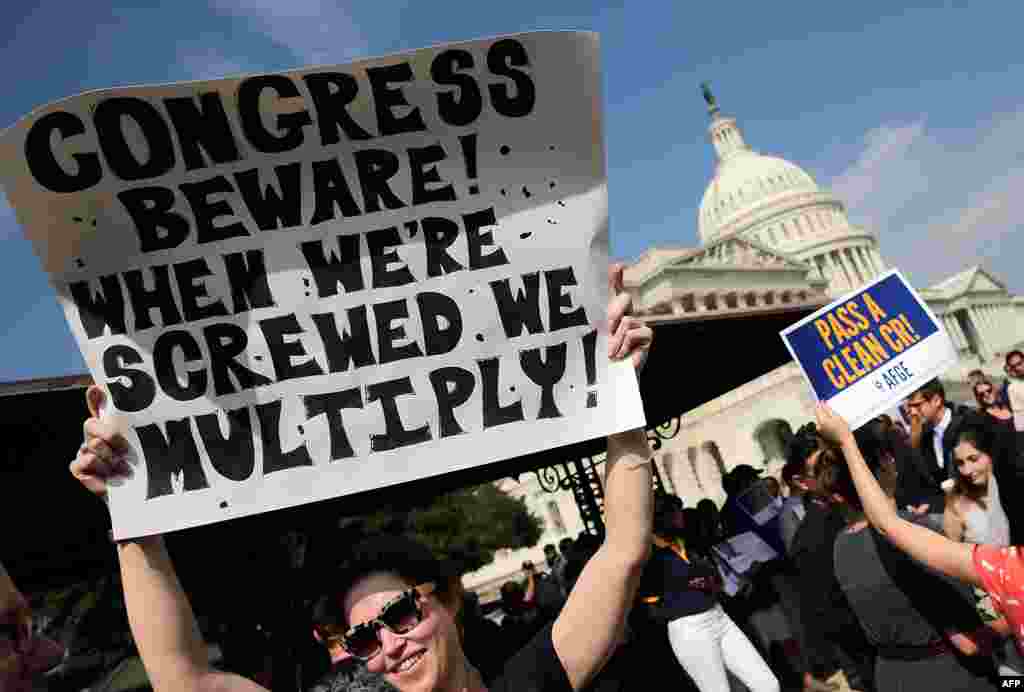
[913,115]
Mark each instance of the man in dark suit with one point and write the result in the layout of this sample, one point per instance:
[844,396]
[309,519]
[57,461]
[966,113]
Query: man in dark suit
[940,424]
[918,489]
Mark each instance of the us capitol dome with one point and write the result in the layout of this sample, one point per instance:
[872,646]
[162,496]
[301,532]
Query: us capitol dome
[772,240]
[774,202]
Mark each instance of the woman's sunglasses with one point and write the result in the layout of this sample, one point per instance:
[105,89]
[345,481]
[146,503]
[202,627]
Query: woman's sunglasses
[399,616]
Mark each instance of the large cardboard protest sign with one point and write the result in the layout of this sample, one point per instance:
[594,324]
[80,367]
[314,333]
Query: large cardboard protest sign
[301,285]
[871,348]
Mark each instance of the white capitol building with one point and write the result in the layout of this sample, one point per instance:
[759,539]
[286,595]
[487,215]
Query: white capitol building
[771,239]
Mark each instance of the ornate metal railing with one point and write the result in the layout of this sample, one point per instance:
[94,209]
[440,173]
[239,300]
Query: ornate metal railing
[581,477]
[665,431]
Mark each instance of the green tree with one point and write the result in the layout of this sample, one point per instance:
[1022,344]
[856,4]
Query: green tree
[467,526]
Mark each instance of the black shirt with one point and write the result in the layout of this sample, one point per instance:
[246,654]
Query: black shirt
[916,482]
[352,676]
[824,612]
[668,583]
[536,668]
[1008,467]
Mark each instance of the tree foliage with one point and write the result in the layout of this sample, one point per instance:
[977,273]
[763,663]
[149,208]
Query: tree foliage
[466,526]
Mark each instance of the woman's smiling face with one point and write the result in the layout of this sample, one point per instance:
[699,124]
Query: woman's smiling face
[427,658]
[974,465]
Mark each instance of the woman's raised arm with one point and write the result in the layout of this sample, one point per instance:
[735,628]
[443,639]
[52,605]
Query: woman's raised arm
[163,625]
[924,545]
[591,624]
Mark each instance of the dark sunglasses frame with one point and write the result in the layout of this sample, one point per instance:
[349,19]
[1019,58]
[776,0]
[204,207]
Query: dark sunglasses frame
[346,639]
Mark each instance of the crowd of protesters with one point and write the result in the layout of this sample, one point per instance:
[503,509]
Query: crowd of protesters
[887,553]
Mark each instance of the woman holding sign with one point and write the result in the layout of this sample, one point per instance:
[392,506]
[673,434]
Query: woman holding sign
[923,626]
[997,570]
[394,606]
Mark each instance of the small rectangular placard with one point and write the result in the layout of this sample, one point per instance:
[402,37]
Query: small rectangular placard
[871,348]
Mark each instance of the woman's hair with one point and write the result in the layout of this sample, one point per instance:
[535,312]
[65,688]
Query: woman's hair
[404,557]
[977,433]
[791,471]
[832,475]
[805,442]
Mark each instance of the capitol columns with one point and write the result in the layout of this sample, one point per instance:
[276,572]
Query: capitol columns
[994,326]
[844,270]
[851,274]
[865,268]
[959,332]
[953,329]
[982,328]
[878,257]
[1012,322]
[865,255]
[997,337]
[838,272]
[1005,321]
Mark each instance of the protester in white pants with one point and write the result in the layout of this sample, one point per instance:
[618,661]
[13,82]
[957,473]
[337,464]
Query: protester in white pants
[680,587]
[709,643]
